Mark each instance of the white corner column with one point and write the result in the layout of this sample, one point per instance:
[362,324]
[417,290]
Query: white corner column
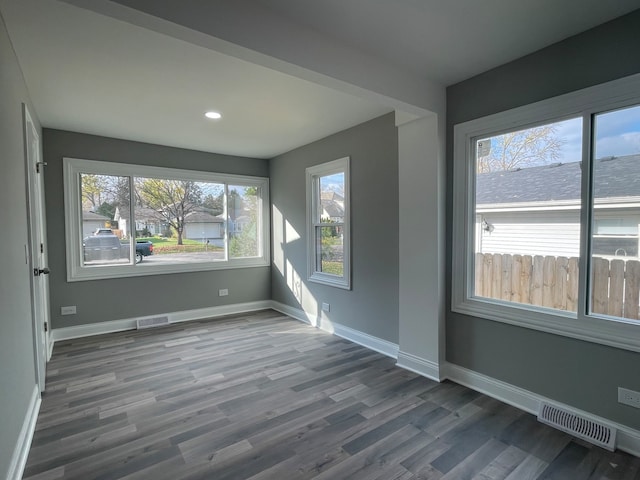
[422,246]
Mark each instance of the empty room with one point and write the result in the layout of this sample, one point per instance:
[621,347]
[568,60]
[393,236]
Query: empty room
[347,239]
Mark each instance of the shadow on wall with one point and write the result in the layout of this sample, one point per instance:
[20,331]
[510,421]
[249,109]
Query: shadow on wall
[287,239]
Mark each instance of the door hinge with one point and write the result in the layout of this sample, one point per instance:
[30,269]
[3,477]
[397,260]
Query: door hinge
[46,327]
[44,164]
[42,248]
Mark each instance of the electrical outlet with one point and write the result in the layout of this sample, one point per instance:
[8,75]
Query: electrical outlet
[326,307]
[629,397]
[70,310]
[223,292]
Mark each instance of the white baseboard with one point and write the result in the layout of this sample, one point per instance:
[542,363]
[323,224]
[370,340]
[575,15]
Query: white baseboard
[419,365]
[373,343]
[377,344]
[505,392]
[405,360]
[79,331]
[296,313]
[49,345]
[628,439]
[23,444]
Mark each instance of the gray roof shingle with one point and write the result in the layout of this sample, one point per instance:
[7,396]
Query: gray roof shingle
[615,177]
[92,216]
[201,216]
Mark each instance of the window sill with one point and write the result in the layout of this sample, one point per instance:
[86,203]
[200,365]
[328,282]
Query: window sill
[331,280]
[140,270]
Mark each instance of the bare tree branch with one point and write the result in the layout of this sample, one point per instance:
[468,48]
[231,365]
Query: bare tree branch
[524,148]
[172,199]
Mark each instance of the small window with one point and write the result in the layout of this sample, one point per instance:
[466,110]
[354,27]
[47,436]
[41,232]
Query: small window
[127,220]
[615,236]
[328,223]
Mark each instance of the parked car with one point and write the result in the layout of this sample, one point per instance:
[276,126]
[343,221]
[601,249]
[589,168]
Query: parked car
[105,247]
[144,248]
[101,247]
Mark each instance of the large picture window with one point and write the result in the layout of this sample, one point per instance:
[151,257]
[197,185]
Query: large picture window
[127,220]
[546,215]
[328,223]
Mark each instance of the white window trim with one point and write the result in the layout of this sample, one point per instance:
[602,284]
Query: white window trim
[584,103]
[340,165]
[73,167]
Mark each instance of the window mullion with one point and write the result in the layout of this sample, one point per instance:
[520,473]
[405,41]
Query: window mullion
[227,225]
[469,234]
[132,220]
[316,201]
[586,203]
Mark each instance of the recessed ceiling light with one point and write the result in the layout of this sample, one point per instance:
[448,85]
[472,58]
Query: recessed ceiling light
[213,115]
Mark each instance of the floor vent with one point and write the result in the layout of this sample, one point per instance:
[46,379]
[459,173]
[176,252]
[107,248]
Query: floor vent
[594,432]
[149,322]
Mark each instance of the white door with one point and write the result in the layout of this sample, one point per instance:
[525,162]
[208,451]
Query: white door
[37,246]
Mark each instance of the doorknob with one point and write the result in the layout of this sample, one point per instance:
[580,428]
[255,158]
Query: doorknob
[41,271]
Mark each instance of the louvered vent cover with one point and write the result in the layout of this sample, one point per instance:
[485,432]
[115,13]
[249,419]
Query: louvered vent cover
[152,322]
[594,432]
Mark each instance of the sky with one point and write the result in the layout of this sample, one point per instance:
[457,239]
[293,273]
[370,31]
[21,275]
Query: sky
[617,134]
[333,183]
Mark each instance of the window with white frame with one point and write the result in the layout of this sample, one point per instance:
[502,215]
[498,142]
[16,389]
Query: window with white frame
[328,231]
[127,220]
[546,215]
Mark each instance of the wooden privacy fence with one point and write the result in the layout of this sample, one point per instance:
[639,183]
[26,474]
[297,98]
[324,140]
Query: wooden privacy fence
[553,282]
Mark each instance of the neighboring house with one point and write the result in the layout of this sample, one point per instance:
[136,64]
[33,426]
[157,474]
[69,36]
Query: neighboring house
[145,218]
[203,226]
[92,221]
[240,223]
[200,224]
[332,206]
[242,211]
[122,217]
[239,214]
[149,219]
[535,211]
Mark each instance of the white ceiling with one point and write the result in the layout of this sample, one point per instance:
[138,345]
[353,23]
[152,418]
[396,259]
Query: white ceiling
[450,40]
[90,73]
[95,74]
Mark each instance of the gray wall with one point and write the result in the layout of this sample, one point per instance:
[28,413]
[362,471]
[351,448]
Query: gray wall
[17,369]
[582,374]
[103,300]
[372,304]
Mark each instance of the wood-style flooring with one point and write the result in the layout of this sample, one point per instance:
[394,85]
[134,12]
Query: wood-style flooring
[261,396]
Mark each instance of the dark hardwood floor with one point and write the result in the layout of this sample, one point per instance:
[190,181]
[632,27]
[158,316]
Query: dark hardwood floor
[261,396]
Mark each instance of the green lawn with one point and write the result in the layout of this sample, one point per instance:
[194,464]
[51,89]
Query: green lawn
[164,245]
[334,268]
[168,241]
